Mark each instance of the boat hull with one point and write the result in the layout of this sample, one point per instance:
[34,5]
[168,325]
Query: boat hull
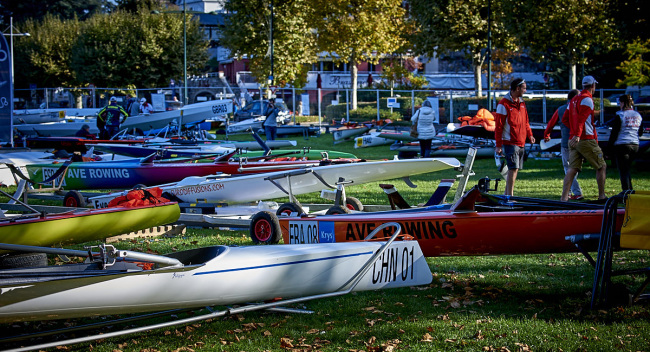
[189,114]
[86,225]
[232,275]
[127,174]
[250,188]
[445,233]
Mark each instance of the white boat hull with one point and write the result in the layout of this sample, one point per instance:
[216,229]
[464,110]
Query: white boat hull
[249,188]
[190,114]
[229,275]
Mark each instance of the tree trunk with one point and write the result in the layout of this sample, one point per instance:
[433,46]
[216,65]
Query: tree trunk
[353,75]
[477,62]
[572,76]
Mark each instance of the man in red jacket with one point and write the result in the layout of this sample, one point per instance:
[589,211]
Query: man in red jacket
[512,130]
[583,139]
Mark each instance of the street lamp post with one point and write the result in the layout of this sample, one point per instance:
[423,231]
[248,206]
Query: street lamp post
[11,35]
[185,97]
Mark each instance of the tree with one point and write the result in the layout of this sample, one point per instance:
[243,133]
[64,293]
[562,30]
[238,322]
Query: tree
[137,50]
[355,31]
[444,26]
[36,10]
[109,50]
[44,57]
[637,66]
[562,29]
[247,33]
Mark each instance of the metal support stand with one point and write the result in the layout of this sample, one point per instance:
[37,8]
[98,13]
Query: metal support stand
[466,173]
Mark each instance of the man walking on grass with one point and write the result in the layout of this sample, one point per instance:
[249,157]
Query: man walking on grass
[512,130]
[583,139]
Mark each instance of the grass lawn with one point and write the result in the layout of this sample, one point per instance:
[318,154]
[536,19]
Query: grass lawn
[490,303]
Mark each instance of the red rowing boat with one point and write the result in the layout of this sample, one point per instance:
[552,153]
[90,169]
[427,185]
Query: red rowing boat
[478,224]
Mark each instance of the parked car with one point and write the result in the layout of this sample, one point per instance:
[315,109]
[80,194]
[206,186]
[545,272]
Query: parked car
[252,110]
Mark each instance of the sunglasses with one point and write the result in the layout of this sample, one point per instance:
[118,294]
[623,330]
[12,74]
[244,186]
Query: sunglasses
[522,82]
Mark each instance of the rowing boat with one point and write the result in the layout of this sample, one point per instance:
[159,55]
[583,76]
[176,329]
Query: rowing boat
[130,282]
[173,152]
[249,188]
[477,224]
[84,225]
[125,174]
[188,114]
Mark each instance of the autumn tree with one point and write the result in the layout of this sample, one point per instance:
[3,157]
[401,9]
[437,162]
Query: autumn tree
[562,29]
[247,33]
[445,26]
[355,31]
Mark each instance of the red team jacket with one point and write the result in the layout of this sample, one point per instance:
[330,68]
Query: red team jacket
[512,125]
[581,115]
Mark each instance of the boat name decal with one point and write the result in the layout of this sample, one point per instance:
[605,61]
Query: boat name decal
[89,173]
[393,265]
[311,232]
[417,229]
[220,109]
[212,187]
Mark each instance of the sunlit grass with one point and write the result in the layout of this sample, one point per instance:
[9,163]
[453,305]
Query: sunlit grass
[491,303]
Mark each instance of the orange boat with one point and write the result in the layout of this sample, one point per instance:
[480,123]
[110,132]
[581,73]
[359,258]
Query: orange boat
[477,224]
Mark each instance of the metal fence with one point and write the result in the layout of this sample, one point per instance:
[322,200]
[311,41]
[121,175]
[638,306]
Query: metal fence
[328,104]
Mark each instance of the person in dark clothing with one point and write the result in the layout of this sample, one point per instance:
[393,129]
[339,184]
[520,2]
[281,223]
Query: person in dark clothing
[109,118]
[624,140]
[84,132]
[270,123]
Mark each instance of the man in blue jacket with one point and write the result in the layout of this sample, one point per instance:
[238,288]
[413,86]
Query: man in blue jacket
[108,119]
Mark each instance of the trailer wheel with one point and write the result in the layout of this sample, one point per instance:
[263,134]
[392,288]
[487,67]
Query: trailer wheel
[353,203]
[337,210]
[23,260]
[74,199]
[265,228]
[288,208]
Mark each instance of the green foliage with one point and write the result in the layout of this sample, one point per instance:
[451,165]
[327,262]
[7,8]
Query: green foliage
[444,26]
[120,49]
[45,55]
[355,31]
[395,75]
[544,30]
[36,10]
[248,34]
[637,66]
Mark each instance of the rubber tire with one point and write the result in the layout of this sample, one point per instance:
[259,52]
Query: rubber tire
[288,208]
[74,199]
[23,260]
[353,204]
[265,228]
[337,210]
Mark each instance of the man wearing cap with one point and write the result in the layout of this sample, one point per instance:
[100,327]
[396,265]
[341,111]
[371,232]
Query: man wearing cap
[110,116]
[583,139]
[511,131]
[145,108]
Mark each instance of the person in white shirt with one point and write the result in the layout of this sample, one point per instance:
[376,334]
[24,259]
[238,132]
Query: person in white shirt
[145,108]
